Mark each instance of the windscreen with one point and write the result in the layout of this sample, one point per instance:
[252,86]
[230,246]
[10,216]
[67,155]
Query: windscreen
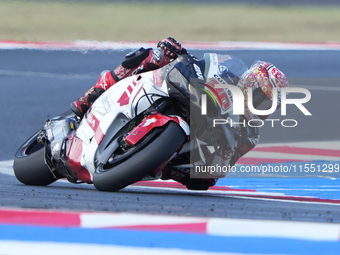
[233,64]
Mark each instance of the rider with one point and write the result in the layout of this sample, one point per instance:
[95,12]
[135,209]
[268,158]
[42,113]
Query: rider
[138,61]
[261,77]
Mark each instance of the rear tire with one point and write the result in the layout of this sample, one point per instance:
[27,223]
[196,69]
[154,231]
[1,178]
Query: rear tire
[143,162]
[29,164]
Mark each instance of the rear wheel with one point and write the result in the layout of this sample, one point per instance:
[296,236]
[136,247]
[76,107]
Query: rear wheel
[142,162]
[29,164]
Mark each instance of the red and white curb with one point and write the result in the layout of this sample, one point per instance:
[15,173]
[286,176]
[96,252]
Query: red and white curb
[298,151]
[81,45]
[209,226]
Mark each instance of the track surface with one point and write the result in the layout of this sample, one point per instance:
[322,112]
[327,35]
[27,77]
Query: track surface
[62,195]
[37,84]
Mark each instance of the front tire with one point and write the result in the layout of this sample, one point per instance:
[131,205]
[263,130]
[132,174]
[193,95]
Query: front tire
[29,164]
[143,162]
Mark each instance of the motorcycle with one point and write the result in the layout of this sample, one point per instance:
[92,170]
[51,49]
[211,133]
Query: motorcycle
[138,125]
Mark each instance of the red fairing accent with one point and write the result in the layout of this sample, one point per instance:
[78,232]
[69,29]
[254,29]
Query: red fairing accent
[93,122]
[150,122]
[130,89]
[74,159]
[125,97]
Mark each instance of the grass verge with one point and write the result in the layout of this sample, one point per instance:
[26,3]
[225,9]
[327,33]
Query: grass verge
[69,21]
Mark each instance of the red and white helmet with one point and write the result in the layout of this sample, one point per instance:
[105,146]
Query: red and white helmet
[262,77]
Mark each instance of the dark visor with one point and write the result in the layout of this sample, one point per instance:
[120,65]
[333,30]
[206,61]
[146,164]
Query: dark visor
[260,100]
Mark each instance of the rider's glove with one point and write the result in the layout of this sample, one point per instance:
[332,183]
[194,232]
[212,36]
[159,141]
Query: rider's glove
[171,48]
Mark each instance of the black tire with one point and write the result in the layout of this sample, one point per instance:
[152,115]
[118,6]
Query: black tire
[142,162]
[29,164]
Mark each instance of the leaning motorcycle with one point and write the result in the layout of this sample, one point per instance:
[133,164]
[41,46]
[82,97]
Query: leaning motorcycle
[138,125]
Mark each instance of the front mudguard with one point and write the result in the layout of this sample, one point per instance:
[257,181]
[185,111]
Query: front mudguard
[151,122]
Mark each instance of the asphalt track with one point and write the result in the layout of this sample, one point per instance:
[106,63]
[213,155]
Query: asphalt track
[36,85]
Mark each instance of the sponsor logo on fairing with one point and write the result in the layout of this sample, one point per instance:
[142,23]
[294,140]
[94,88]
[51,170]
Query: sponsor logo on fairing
[91,120]
[198,72]
[149,121]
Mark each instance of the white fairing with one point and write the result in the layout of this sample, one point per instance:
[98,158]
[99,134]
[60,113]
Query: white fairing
[214,66]
[121,98]
[214,80]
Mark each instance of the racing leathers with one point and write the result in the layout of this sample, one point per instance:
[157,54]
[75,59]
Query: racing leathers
[138,61]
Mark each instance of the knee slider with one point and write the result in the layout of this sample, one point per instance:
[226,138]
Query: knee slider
[197,184]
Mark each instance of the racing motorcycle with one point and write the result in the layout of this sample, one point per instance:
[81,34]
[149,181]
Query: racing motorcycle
[138,125]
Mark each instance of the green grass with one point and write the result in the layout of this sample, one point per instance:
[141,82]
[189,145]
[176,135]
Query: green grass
[69,21]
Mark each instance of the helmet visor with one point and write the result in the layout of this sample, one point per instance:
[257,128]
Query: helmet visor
[260,100]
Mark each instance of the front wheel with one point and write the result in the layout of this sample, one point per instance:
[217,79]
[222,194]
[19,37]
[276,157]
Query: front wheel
[142,162]
[29,164]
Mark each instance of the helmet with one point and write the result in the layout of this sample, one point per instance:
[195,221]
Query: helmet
[262,77]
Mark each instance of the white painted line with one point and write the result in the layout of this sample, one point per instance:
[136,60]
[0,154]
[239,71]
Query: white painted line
[47,75]
[81,45]
[56,248]
[99,220]
[274,229]
[6,167]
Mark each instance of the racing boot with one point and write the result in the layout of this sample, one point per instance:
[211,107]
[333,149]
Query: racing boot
[81,105]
